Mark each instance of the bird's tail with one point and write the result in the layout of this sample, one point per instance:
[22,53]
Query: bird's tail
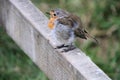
[89,36]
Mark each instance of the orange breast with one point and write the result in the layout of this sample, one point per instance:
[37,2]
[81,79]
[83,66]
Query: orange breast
[51,23]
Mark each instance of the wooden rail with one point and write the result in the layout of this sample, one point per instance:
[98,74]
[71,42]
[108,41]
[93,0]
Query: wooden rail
[27,26]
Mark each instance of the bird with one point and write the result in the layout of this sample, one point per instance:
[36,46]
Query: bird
[66,27]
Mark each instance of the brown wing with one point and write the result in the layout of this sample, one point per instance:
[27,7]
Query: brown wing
[66,21]
[75,23]
[79,29]
[80,33]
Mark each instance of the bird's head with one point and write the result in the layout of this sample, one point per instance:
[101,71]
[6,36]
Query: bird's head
[58,13]
[55,14]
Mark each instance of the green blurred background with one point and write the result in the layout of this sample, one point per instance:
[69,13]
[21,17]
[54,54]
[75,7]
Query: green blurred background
[100,17]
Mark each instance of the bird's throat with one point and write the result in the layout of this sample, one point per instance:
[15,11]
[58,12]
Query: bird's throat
[51,23]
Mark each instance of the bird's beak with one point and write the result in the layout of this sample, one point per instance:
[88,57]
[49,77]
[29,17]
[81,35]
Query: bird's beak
[48,13]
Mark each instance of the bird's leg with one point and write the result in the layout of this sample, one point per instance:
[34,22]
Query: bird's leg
[70,47]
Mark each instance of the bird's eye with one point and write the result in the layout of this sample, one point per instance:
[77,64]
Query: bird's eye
[54,14]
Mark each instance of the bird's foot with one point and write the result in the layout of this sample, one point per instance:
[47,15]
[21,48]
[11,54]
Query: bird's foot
[69,49]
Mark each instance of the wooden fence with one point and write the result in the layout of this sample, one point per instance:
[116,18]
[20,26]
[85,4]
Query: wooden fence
[27,26]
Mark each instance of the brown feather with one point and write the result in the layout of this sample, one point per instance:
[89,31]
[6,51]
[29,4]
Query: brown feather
[79,30]
[75,22]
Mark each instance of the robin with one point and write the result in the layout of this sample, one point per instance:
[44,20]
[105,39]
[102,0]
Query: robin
[65,28]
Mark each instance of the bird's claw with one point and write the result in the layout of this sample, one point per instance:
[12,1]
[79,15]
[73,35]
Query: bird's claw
[68,49]
[58,47]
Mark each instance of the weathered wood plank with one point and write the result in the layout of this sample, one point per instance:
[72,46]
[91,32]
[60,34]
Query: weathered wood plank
[28,28]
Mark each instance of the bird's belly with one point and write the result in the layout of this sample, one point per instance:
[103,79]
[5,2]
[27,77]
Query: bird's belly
[62,33]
